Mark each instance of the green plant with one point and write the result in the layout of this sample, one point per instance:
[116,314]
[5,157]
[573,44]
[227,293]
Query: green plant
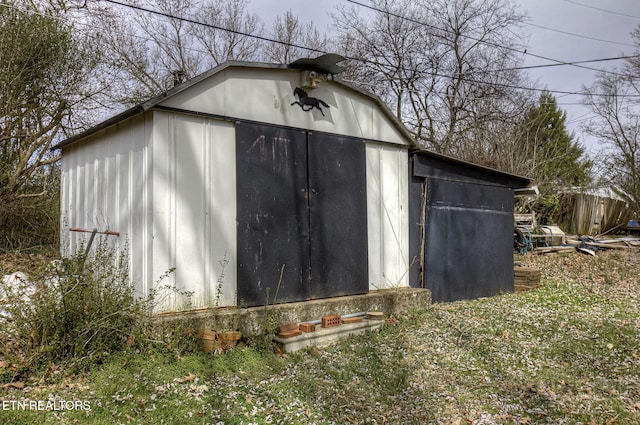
[547,209]
[219,282]
[83,308]
[272,318]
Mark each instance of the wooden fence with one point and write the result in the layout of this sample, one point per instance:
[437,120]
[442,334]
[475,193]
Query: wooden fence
[591,215]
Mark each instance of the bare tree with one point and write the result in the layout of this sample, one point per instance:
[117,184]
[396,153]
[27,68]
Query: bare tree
[159,43]
[615,100]
[233,44]
[291,33]
[447,66]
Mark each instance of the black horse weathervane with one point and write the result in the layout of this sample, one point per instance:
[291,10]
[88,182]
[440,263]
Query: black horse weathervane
[307,102]
[314,71]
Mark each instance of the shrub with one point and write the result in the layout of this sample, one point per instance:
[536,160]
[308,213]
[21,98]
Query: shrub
[28,222]
[82,309]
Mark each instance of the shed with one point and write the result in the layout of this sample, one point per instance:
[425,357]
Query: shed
[252,193]
[461,232]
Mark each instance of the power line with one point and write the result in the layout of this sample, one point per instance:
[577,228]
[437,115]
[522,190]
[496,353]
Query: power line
[525,52]
[267,39]
[602,10]
[432,74]
[192,21]
[578,35]
[550,65]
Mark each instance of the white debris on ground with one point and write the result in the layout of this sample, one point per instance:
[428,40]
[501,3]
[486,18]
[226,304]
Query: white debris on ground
[14,287]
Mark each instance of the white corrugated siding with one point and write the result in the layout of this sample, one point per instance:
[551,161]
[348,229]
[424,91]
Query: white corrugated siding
[105,185]
[172,200]
[195,208]
[387,216]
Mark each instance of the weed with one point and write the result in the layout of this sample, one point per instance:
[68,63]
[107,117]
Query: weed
[220,281]
[82,309]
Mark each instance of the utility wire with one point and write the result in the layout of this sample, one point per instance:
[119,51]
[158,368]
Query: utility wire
[550,65]
[578,35]
[525,52]
[602,10]
[432,74]
[192,21]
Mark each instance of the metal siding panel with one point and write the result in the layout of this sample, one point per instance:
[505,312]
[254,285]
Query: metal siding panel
[203,195]
[272,214]
[190,209]
[88,221]
[387,216]
[136,214]
[68,190]
[338,216]
[110,205]
[102,178]
[374,217]
[456,193]
[163,159]
[394,238]
[469,251]
[222,210]
[147,272]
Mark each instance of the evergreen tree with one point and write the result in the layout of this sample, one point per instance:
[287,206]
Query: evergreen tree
[555,158]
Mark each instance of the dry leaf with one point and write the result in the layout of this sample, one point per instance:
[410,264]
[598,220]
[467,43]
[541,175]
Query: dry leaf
[610,421]
[16,385]
[189,378]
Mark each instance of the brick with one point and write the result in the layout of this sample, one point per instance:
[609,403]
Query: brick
[290,334]
[332,320]
[352,320]
[307,327]
[288,327]
[376,315]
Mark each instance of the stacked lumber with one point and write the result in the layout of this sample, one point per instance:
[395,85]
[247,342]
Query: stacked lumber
[608,243]
[526,278]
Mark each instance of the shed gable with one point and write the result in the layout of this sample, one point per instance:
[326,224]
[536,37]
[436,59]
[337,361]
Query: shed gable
[266,95]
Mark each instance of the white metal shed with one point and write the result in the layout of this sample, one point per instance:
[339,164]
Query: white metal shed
[240,189]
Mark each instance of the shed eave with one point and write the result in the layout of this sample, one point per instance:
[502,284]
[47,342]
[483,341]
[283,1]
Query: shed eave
[526,182]
[116,119]
[145,106]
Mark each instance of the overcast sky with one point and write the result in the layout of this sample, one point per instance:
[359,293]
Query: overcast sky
[575,30]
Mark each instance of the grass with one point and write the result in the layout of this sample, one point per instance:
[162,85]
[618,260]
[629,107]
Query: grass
[566,353]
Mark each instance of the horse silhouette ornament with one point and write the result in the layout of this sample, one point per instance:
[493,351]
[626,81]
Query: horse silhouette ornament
[307,102]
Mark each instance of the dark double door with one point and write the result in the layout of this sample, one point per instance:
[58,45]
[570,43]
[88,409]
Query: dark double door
[301,215]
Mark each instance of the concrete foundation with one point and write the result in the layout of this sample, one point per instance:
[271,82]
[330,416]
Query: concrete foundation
[256,321]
